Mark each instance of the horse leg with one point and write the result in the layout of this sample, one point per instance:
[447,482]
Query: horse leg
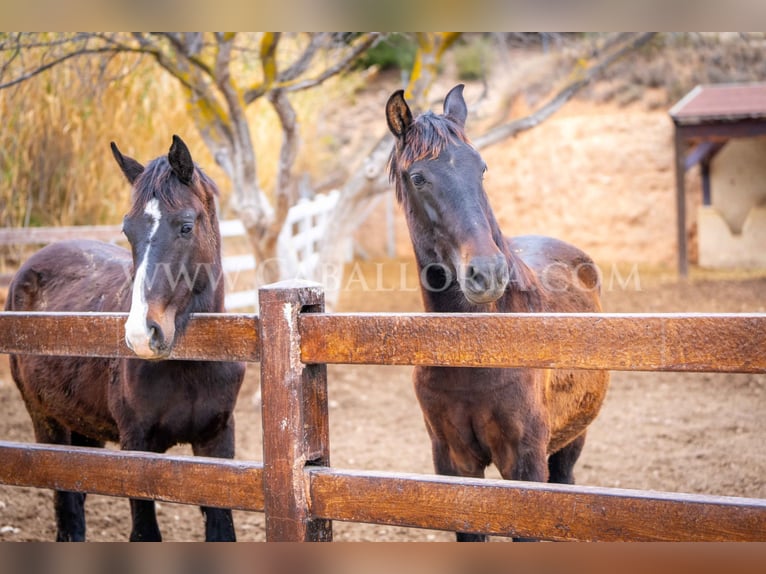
[143,512]
[70,506]
[67,506]
[444,465]
[528,464]
[145,527]
[219,524]
[561,463]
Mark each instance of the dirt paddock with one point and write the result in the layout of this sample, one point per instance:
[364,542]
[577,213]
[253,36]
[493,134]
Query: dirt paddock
[698,433]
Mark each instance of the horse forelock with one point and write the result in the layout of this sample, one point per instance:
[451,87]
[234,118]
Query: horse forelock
[426,138]
[159,181]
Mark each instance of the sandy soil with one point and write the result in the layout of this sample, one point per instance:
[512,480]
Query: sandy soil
[700,433]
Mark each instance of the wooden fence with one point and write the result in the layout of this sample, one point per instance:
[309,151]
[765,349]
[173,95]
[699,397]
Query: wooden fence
[293,339]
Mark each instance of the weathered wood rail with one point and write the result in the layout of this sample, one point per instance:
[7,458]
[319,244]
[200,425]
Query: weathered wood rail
[301,493]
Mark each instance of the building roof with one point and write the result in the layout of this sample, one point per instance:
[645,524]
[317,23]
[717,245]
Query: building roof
[720,103]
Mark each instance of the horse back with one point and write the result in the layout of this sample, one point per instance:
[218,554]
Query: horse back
[75,276]
[566,276]
[78,275]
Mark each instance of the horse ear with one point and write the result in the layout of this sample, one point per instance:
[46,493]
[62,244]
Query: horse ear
[398,114]
[181,160]
[454,105]
[130,167]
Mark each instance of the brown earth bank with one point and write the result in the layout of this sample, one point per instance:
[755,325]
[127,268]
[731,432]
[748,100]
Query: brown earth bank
[698,433]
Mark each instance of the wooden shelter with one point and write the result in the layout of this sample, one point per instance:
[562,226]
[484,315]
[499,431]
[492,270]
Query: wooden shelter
[705,120]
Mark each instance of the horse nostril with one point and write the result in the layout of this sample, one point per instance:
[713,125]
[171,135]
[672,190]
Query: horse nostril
[477,278]
[156,338]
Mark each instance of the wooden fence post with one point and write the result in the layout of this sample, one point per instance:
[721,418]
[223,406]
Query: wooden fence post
[294,407]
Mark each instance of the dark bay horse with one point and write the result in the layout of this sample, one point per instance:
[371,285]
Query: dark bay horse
[146,403]
[530,423]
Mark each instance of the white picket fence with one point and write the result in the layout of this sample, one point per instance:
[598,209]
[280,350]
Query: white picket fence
[298,245]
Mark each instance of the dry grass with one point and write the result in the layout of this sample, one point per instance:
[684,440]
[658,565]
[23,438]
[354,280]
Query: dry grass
[54,142]
[55,164]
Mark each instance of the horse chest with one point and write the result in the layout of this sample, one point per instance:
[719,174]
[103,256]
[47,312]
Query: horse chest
[174,405]
[480,394]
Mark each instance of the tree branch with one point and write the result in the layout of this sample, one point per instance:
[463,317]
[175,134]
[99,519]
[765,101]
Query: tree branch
[287,154]
[188,51]
[365,43]
[55,62]
[302,64]
[505,131]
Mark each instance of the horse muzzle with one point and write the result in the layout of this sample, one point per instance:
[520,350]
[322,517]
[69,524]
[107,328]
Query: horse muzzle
[484,279]
[152,337]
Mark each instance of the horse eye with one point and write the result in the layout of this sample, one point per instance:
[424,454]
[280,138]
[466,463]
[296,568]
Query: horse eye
[186,229]
[418,179]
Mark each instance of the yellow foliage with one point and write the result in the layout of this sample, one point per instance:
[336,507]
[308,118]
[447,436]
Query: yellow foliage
[431,49]
[56,167]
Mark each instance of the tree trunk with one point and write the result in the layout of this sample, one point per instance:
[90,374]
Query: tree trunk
[364,185]
[252,207]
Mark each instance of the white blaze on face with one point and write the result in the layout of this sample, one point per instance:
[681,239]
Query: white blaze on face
[137,334]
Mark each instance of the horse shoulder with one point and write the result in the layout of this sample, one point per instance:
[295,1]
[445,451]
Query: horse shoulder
[76,275]
[568,281]
[567,276]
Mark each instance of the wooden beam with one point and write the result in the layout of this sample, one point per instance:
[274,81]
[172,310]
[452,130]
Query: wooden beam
[44,235]
[733,343]
[209,336]
[294,412]
[680,171]
[535,510]
[194,480]
[703,152]
[721,130]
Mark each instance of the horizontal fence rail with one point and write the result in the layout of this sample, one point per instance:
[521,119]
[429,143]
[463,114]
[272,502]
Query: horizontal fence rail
[500,507]
[650,342]
[209,336]
[108,233]
[43,235]
[528,509]
[300,493]
[183,479]
[638,342]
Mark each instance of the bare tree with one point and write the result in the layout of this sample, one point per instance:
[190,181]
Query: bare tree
[209,67]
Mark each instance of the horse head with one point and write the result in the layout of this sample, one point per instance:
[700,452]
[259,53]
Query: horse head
[173,233]
[438,176]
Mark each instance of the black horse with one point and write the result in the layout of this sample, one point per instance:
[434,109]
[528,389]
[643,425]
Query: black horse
[147,403]
[530,423]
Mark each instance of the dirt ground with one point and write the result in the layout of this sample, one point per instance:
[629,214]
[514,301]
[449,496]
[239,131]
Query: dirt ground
[699,433]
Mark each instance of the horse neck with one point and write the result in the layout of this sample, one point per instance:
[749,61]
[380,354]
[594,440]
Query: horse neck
[211,299]
[523,293]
